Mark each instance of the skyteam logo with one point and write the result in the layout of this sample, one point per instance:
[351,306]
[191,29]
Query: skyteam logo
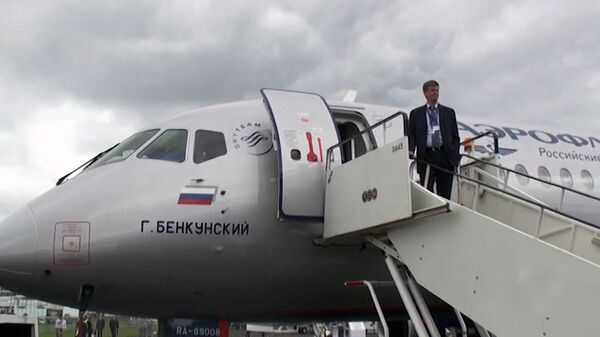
[253,138]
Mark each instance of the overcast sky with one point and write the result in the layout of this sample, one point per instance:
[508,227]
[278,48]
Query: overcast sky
[79,76]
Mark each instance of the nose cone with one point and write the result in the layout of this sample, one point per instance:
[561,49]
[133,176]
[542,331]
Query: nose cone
[17,250]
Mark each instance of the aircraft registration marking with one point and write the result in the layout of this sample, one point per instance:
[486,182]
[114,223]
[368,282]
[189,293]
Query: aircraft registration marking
[189,328]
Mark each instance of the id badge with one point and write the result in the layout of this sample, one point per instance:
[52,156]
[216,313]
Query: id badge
[435,128]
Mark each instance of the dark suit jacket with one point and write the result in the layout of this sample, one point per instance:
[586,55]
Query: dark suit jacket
[417,134]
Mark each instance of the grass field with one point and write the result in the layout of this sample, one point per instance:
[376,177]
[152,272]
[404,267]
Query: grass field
[126,329]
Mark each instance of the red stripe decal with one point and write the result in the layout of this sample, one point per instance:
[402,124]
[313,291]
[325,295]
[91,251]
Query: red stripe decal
[194,202]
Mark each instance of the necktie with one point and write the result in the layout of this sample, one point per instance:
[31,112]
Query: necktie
[436,137]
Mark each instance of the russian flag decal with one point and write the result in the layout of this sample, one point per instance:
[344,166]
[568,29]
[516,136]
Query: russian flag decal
[197,195]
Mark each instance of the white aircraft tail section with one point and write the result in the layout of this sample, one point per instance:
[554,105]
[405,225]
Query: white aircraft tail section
[350,96]
[514,266]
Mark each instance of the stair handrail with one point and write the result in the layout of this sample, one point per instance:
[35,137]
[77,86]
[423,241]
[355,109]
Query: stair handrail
[369,129]
[505,185]
[484,134]
[526,200]
[562,187]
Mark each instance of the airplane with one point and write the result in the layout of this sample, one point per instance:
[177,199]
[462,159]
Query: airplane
[558,158]
[214,214]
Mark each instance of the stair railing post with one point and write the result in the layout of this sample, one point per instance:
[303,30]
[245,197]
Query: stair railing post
[506,173]
[386,331]
[416,294]
[538,227]
[409,304]
[384,133]
[461,321]
[427,172]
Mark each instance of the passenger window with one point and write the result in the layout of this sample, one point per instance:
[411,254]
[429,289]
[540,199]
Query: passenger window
[588,180]
[544,174]
[169,146]
[522,177]
[208,145]
[125,149]
[565,178]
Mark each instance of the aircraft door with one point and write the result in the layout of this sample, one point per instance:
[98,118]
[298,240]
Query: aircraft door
[304,129]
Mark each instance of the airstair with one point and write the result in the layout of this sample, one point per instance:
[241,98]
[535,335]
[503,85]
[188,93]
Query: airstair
[515,266]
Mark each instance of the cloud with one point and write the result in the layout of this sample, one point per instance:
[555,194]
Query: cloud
[158,56]
[51,142]
[76,76]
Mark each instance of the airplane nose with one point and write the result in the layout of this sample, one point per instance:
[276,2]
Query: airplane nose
[17,250]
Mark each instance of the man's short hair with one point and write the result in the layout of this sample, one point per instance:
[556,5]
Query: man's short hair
[430,83]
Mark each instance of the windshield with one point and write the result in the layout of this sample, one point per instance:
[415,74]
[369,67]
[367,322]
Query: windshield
[169,146]
[126,148]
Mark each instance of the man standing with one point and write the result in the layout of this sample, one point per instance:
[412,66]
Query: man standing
[434,132]
[60,325]
[114,326]
[100,326]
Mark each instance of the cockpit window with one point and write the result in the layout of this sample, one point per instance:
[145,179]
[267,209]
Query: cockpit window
[169,146]
[126,148]
[208,145]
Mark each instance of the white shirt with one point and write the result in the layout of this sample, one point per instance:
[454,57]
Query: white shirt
[60,324]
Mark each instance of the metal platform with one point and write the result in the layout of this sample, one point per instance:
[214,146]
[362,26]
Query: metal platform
[513,265]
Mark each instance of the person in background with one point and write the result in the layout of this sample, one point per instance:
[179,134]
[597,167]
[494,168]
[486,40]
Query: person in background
[433,131]
[100,326]
[60,325]
[89,326]
[114,326]
[80,327]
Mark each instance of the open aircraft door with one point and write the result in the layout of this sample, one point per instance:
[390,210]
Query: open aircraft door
[304,129]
